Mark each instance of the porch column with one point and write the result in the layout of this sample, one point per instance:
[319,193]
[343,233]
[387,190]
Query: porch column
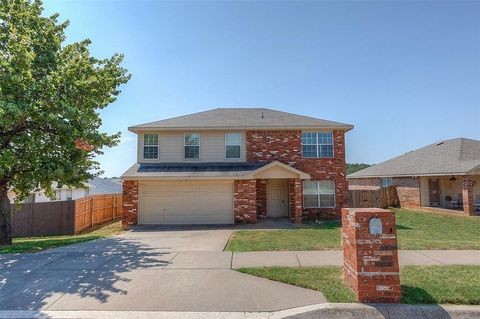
[261,198]
[129,204]
[295,195]
[467,192]
[245,201]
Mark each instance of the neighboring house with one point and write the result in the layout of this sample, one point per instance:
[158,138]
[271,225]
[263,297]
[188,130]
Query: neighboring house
[95,186]
[444,174]
[236,165]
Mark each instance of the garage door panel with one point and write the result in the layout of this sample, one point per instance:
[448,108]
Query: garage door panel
[155,189]
[193,202]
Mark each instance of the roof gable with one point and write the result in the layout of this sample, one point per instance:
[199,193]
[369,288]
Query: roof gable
[451,157]
[239,118]
[277,169]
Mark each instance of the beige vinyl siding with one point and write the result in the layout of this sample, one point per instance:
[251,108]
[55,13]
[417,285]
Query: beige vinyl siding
[171,147]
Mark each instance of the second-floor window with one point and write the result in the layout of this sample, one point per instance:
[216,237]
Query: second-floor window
[192,145]
[232,145]
[317,144]
[150,146]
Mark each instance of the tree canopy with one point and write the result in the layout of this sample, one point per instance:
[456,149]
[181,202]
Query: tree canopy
[50,94]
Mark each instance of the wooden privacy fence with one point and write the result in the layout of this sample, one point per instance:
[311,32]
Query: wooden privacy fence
[42,219]
[64,217]
[382,198]
[96,209]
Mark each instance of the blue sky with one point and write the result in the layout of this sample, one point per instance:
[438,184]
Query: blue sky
[405,73]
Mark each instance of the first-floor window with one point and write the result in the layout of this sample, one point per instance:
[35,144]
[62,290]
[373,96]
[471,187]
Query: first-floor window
[387,181]
[58,194]
[319,194]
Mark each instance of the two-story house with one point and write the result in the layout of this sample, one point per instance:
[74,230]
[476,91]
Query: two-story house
[232,165]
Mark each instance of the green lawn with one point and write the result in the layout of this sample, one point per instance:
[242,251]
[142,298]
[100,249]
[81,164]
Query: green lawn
[420,284]
[35,244]
[416,230]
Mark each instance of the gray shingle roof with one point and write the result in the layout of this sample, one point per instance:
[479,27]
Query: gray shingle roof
[240,118]
[176,170]
[450,157]
[100,185]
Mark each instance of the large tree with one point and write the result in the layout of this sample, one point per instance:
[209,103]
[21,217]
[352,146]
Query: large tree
[50,94]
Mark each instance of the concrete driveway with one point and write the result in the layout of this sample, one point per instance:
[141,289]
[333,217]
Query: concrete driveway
[145,269]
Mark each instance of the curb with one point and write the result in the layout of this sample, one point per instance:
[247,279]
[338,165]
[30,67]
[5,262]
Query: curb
[320,311]
[379,311]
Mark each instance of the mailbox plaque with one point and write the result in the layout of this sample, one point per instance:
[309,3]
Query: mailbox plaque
[375,226]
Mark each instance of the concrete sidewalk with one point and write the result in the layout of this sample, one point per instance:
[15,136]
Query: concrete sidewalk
[324,311]
[335,258]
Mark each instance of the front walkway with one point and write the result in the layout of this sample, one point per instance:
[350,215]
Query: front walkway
[335,258]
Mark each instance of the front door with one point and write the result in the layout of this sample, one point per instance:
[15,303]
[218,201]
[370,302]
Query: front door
[277,198]
[434,192]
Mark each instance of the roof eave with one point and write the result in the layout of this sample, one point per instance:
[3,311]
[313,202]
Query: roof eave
[408,175]
[343,127]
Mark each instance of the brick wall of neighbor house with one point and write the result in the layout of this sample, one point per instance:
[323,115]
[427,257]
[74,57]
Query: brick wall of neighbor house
[130,203]
[467,192]
[286,147]
[364,183]
[408,190]
[245,201]
[261,198]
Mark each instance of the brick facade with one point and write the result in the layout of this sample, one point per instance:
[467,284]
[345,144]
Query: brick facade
[408,190]
[286,147]
[371,267]
[245,201]
[467,194]
[130,203]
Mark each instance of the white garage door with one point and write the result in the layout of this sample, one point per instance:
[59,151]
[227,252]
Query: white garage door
[180,202]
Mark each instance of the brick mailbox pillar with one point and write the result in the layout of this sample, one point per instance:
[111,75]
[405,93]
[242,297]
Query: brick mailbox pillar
[370,265]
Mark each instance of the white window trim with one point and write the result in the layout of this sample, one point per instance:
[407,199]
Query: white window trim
[199,147]
[143,147]
[225,144]
[318,144]
[318,195]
